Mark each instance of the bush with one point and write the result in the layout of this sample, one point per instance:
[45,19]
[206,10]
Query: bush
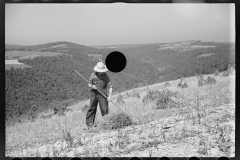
[201,82]
[182,85]
[216,73]
[210,80]
[225,74]
[199,76]
[151,96]
[164,98]
[117,120]
[136,95]
[166,84]
[169,99]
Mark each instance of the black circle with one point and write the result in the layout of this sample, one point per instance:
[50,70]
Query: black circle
[115,61]
[76,158]
[193,158]
[164,158]
[135,158]
[223,158]
[105,158]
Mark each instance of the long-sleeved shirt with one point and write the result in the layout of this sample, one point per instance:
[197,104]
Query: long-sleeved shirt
[101,82]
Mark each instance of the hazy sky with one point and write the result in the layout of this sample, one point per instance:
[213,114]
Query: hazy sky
[107,24]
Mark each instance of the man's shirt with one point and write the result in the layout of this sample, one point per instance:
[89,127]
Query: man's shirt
[102,82]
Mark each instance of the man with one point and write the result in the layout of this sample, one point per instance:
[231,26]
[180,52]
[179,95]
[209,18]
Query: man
[98,80]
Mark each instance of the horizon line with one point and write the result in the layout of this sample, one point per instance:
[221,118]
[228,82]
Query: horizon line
[121,44]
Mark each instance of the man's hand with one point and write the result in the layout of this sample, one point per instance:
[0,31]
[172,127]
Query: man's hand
[109,98]
[92,86]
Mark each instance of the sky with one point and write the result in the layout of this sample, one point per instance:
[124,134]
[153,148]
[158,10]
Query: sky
[118,23]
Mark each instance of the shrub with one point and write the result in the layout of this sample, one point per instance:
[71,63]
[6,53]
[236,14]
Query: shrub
[210,80]
[201,82]
[169,99]
[60,110]
[151,96]
[216,73]
[164,98]
[117,120]
[225,74]
[166,84]
[199,76]
[182,85]
[136,95]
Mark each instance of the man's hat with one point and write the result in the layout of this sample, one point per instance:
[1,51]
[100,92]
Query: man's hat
[100,67]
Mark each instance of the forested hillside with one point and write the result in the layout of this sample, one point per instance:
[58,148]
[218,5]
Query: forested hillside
[52,79]
[174,64]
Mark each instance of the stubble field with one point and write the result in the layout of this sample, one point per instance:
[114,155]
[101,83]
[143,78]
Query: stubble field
[200,122]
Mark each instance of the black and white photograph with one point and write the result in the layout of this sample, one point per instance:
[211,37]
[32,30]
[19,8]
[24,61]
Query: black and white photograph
[120,80]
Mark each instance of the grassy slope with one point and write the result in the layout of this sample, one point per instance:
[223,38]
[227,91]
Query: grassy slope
[171,132]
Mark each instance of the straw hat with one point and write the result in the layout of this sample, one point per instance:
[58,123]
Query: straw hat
[100,67]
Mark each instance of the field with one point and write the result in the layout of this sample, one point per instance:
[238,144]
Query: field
[28,54]
[206,55]
[9,66]
[203,125]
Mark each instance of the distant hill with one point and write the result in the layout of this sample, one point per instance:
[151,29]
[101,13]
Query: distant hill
[184,58]
[10,46]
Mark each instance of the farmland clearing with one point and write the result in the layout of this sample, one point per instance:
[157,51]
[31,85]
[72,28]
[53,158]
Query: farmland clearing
[29,54]
[206,55]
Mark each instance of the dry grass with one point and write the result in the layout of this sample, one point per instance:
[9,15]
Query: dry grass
[204,124]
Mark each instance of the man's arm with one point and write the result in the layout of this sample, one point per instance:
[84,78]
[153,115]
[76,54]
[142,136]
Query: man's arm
[90,81]
[109,86]
[110,92]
